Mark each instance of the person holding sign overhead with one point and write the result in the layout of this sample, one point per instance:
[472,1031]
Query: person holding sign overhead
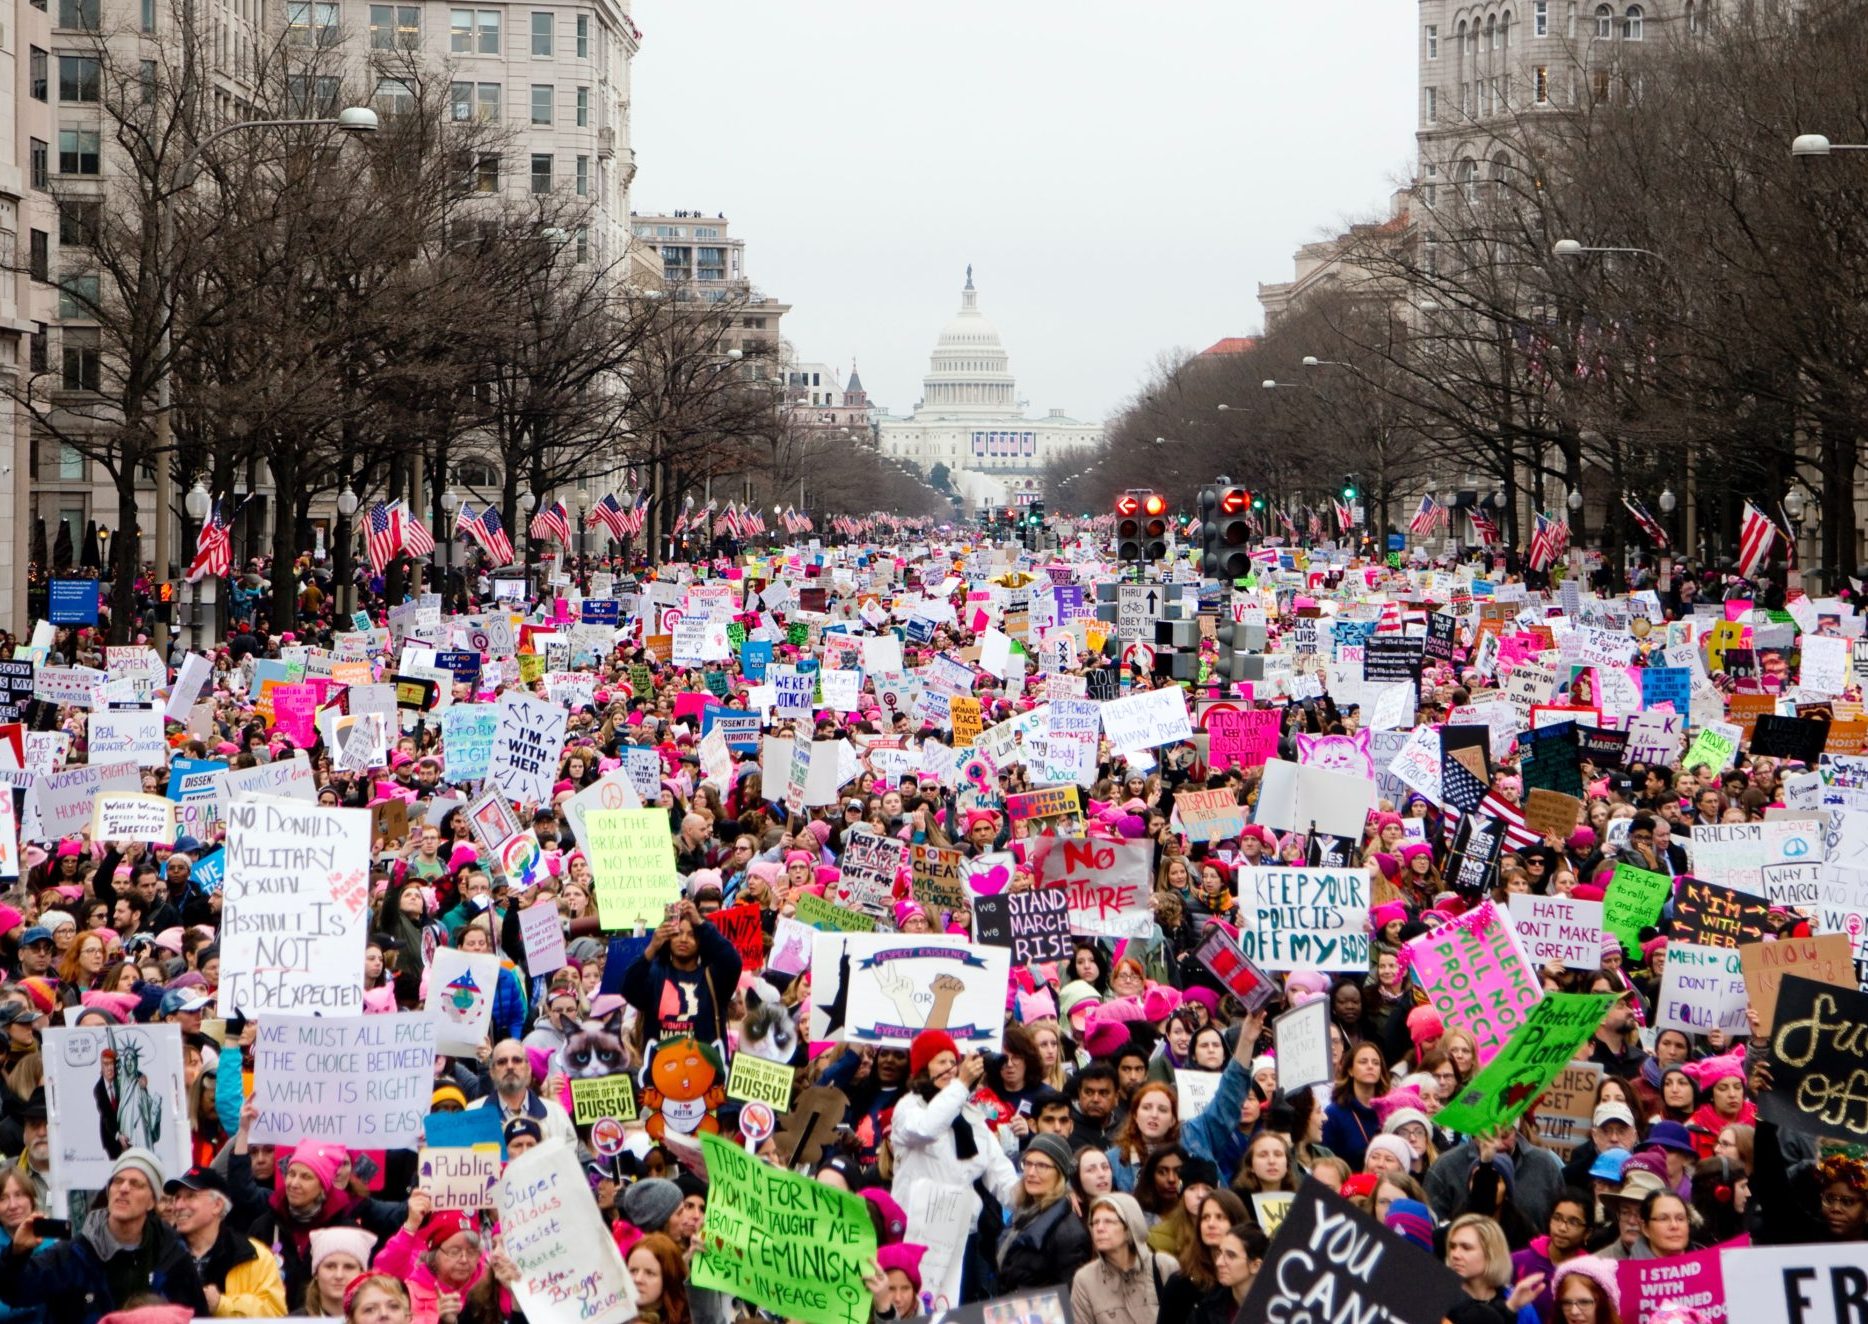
[683,980]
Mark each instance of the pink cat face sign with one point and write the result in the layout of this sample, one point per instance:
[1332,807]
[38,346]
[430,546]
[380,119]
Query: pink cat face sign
[1348,754]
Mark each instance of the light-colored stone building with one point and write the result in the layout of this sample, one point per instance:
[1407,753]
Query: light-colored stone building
[970,419]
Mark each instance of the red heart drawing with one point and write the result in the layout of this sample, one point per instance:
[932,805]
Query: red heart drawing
[994,881]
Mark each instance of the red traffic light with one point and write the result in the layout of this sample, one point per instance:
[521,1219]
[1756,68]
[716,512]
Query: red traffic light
[1233,501]
[1127,504]
[1154,503]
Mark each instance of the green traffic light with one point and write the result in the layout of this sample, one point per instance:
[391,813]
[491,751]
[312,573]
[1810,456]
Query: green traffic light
[1349,494]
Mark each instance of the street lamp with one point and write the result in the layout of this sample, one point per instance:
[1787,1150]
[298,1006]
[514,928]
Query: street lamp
[1667,501]
[1575,501]
[450,502]
[583,555]
[197,503]
[1815,144]
[1575,248]
[1793,505]
[346,507]
[353,120]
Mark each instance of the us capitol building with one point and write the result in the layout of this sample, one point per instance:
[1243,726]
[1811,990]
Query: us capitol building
[970,419]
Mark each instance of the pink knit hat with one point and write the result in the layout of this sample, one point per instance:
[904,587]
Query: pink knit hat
[1597,1270]
[324,1158]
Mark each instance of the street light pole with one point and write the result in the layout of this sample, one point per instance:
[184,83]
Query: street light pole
[583,546]
[352,119]
[198,504]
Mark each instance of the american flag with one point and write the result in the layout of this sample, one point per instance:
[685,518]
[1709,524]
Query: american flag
[639,512]
[1519,835]
[610,514]
[1427,518]
[1345,517]
[1485,526]
[1756,537]
[1649,525]
[416,539]
[485,528]
[553,521]
[1543,543]
[383,537]
[213,549]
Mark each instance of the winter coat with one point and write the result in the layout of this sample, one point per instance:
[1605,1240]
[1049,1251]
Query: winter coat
[1217,1307]
[921,1135]
[1043,1250]
[278,1226]
[76,1284]
[1534,1190]
[245,1273]
[689,999]
[401,1257]
[1103,1294]
[1348,1128]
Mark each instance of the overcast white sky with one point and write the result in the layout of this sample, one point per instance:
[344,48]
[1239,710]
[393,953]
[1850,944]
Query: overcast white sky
[1121,176]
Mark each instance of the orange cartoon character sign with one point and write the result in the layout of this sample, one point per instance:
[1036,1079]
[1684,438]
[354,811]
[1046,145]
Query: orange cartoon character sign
[683,1081]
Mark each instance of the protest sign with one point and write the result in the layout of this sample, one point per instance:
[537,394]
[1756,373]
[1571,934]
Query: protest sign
[1692,1281]
[1236,973]
[1210,815]
[1702,989]
[295,909]
[935,873]
[467,734]
[870,863]
[120,1085]
[1633,902]
[529,737]
[130,816]
[1309,798]
[1271,1208]
[755,1080]
[362,1081]
[130,734]
[1034,924]
[1302,1036]
[1330,1260]
[1107,882]
[597,1097]
[828,917]
[1241,737]
[286,779]
[542,932]
[885,988]
[1194,1090]
[743,926]
[939,1216]
[1044,807]
[1824,959]
[632,861]
[1551,813]
[1501,1091]
[1305,919]
[1476,976]
[74,687]
[1071,743]
[1733,854]
[1146,720]
[461,986]
[459,1179]
[781,1240]
[1567,1109]
[569,1267]
[1558,930]
[1715,916]
[1804,1283]
[1815,1059]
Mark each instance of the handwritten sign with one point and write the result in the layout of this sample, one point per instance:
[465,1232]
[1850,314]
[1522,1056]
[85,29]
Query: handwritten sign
[569,1267]
[632,861]
[523,762]
[1305,919]
[1558,930]
[1106,881]
[1702,989]
[1476,976]
[361,1081]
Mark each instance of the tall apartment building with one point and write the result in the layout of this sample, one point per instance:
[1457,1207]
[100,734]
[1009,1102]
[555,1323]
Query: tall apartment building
[698,257]
[555,75]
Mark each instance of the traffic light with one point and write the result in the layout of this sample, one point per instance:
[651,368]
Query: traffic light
[1154,527]
[1224,538]
[1349,488]
[1129,526]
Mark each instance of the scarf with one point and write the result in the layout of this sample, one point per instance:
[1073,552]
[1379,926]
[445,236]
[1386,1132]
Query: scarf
[964,1145]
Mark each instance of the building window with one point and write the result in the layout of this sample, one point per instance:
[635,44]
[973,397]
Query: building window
[541,103]
[70,458]
[473,31]
[1433,41]
[78,222]
[81,15]
[583,176]
[583,107]
[1430,190]
[36,64]
[394,96]
[81,368]
[581,254]
[37,353]
[1599,86]
[1504,32]
[149,15]
[1605,22]
[77,295]
[1491,33]
[1632,23]
[395,27]
[541,172]
[78,152]
[40,255]
[1433,105]
[311,23]
[486,173]
[1540,18]
[146,80]
[77,78]
[306,95]
[40,155]
[1469,179]
[543,26]
[1540,77]
[583,36]
[486,100]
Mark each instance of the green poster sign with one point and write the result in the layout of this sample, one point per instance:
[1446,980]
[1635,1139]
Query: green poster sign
[783,1241]
[1533,1057]
[1633,901]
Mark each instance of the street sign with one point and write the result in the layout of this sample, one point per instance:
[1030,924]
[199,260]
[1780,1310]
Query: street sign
[1138,607]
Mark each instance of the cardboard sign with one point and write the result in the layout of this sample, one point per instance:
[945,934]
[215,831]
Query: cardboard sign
[363,1081]
[1702,989]
[1714,916]
[1501,1091]
[1210,815]
[1034,924]
[1551,813]
[884,989]
[130,816]
[1302,1036]
[936,877]
[1815,1057]
[460,1179]
[1328,1251]
[1633,902]
[1824,959]
[632,862]
[1558,930]
[1567,1108]
[1305,919]
[568,1263]
[1107,882]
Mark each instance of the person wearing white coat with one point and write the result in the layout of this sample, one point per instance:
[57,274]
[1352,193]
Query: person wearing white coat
[937,1136]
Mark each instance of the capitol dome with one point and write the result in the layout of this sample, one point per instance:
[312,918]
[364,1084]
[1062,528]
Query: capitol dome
[969,371]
